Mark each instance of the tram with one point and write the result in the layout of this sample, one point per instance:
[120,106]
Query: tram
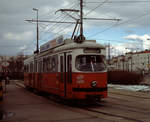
[68,69]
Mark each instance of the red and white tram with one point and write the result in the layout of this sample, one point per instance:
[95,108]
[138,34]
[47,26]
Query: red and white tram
[68,69]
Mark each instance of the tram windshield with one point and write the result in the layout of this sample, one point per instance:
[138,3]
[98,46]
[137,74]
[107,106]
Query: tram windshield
[90,63]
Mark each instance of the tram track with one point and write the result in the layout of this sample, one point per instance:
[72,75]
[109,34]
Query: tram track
[126,107]
[119,111]
[123,107]
[139,102]
[123,118]
[129,111]
[135,96]
[97,111]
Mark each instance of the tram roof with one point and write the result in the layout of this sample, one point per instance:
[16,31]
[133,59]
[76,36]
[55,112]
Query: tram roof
[70,44]
[30,59]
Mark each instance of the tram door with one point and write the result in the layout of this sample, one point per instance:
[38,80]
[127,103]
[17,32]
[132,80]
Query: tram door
[66,74]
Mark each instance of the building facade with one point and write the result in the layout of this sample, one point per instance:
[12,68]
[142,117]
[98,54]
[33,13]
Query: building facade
[133,61]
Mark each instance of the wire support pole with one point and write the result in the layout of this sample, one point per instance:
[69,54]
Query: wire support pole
[75,29]
[37,29]
[81,18]
[37,34]
[109,53]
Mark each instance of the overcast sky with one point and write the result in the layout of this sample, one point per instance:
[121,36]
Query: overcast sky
[131,33]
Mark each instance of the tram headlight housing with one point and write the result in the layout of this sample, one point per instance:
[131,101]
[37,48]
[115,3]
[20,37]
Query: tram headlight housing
[94,83]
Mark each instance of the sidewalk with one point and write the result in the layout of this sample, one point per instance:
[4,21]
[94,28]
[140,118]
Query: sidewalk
[19,83]
[4,114]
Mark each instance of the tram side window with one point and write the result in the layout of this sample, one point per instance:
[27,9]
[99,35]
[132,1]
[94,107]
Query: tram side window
[54,63]
[57,62]
[44,65]
[28,68]
[50,64]
[69,69]
[31,67]
[40,66]
[25,68]
[41,63]
[35,66]
[69,63]
[61,67]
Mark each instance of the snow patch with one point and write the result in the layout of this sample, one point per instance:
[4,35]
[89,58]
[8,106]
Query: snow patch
[130,87]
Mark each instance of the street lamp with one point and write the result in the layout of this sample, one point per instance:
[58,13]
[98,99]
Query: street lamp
[37,46]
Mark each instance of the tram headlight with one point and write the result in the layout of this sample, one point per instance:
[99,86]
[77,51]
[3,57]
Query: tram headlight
[94,83]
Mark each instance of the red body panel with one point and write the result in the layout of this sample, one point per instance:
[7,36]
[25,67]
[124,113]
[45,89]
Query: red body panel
[50,82]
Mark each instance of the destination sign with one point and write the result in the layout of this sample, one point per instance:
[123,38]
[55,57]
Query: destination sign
[51,44]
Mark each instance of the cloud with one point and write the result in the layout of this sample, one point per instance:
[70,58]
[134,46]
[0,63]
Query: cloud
[12,43]
[118,49]
[137,37]
[24,47]
[122,48]
[65,3]
[136,43]
[140,40]
[18,36]
[129,31]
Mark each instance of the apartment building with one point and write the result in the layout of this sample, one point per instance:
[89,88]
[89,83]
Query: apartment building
[133,61]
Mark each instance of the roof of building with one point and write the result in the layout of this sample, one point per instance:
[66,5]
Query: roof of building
[141,52]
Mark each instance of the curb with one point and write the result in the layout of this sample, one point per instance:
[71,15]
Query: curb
[20,84]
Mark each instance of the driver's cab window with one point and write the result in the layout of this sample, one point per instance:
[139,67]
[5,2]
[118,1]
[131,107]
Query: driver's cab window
[90,63]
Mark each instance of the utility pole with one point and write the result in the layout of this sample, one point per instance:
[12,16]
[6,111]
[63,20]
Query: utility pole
[37,29]
[81,19]
[108,49]
[81,37]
